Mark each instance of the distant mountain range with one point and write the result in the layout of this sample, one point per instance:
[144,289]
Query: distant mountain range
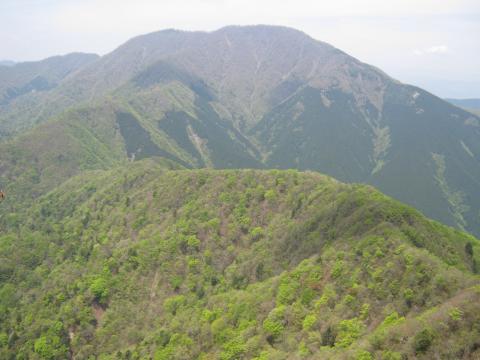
[473,104]
[7,63]
[241,97]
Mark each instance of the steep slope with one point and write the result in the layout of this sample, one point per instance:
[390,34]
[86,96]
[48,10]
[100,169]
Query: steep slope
[418,148]
[265,96]
[142,262]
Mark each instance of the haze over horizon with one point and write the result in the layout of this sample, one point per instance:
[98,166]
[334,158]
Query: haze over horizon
[429,44]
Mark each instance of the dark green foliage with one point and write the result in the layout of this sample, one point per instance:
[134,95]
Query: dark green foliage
[328,337]
[39,83]
[137,140]
[423,340]
[306,144]
[175,125]
[469,249]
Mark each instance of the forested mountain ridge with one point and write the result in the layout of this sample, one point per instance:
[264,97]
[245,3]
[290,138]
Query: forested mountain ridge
[144,262]
[266,96]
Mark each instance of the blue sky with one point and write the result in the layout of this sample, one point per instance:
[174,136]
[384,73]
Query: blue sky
[431,43]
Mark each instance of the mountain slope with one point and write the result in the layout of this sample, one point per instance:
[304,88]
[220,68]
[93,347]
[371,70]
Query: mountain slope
[265,96]
[419,149]
[141,261]
[87,138]
[23,87]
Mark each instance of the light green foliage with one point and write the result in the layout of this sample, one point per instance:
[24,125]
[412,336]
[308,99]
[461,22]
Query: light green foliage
[303,349]
[173,303]
[201,265]
[364,311]
[233,349]
[338,268]
[391,355]
[287,291]
[218,330]
[309,322]
[263,356]
[177,347]
[99,289]
[256,233]
[192,242]
[50,347]
[455,314]
[392,319]
[273,325]
[270,195]
[408,296]
[348,331]
[364,355]
[3,339]
[328,295]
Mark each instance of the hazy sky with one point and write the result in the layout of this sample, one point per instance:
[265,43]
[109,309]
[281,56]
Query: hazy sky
[431,43]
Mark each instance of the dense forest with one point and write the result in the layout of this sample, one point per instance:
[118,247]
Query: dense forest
[148,262]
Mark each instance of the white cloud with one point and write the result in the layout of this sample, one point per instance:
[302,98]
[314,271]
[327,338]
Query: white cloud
[440,49]
[437,49]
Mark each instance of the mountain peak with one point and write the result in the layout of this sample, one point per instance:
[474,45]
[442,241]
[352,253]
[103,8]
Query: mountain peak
[262,95]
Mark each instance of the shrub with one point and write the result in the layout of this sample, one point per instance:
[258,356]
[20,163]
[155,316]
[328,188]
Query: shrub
[408,296]
[218,328]
[303,349]
[193,243]
[392,319]
[99,289]
[423,340]
[233,349]
[256,233]
[178,344]
[287,290]
[308,294]
[50,347]
[364,311]
[270,195]
[172,304]
[455,314]
[348,332]
[273,324]
[338,268]
[469,249]
[328,337]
